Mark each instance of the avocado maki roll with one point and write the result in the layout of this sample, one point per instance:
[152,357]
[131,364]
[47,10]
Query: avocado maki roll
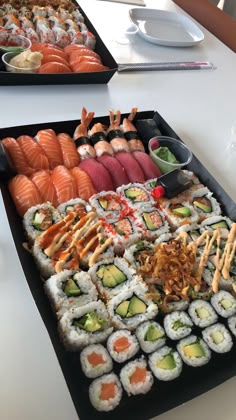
[202,313]
[166,364]
[95,360]
[151,336]
[136,195]
[81,326]
[109,204]
[122,345]
[136,378]
[194,351]
[70,289]
[151,222]
[105,392]
[39,218]
[76,205]
[232,324]
[177,325]
[224,303]
[133,254]
[204,203]
[218,338]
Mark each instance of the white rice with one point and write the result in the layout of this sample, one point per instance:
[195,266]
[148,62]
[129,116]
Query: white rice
[232,324]
[122,356]
[208,320]
[177,325]
[194,361]
[217,300]
[27,221]
[135,203]
[165,374]
[148,233]
[146,345]
[94,371]
[95,393]
[126,373]
[225,345]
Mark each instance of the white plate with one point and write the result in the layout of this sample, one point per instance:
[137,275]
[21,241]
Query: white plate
[166,28]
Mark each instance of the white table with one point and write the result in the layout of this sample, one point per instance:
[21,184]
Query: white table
[200,107]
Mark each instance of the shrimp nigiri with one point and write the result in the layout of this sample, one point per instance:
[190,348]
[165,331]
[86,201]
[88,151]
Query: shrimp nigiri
[131,134]
[80,136]
[99,140]
[115,134]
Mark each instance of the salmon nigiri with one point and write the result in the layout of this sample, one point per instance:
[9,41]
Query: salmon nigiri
[50,144]
[17,156]
[33,152]
[69,151]
[43,181]
[64,184]
[24,193]
[84,183]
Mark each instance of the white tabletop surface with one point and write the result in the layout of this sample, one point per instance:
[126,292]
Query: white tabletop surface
[200,107]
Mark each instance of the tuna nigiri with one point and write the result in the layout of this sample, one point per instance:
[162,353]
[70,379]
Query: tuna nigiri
[43,182]
[149,168]
[49,142]
[84,183]
[17,156]
[33,152]
[115,169]
[100,176]
[64,184]
[69,152]
[24,193]
[131,166]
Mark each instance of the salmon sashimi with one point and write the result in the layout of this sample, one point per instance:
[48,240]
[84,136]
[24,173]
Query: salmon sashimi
[64,184]
[115,169]
[49,50]
[131,166]
[149,168]
[139,375]
[17,156]
[69,151]
[33,152]
[99,175]
[108,391]
[43,182]
[85,58]
[88,67]
[84,183]
[82,52]
[53,67]
[24,193]
[95,359]
[54,58]
[49,142]
[121,344]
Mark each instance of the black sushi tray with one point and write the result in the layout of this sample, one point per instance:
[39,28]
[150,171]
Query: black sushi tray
[100,77]
[164,395]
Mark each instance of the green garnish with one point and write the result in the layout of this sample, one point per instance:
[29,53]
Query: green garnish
[165,154]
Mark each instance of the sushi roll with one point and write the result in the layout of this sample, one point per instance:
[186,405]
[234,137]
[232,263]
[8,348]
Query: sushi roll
[166,364]
[179,213]
[81,326]
[150,184]
[204,203]
[136,195]
[136,378]
[95,361]
[194,351]
[111,275]
[151,222]
[151,336]
[224,303]
[70,289]
[77,205]
[105,392]
[122,345]
[39,218]
[131,307]
[222,223]
[123,232]
[109,205]
[191,176]
[218,338]
[202,313]
[232,324]
[177,325]
[133,254]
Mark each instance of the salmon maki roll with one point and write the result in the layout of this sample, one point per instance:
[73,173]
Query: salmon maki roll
[64,184]
[33,152]
[48,140]
[24,193]
[69,151]
[84,183]
[43,182]
[17,156]
[131,166]
[100,176]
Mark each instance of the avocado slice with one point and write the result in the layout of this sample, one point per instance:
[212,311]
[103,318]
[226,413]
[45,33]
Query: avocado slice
[133,193]
[153,333]
[136,306]
[117,274]
[90,322]
[103,203]
[226,303]
[110,275]
[71,289]
[217,337]
[122,308]
[220,225]
[149,222]
[202,313]
[167,362]
[182,211]
[194,350]
[203,207]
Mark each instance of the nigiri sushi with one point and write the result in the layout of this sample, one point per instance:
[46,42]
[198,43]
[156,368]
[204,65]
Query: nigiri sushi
[17,156]
[115,134]
[33,152]
[98,173]
[80,136]
[43,181]
[115,169]
[64,184]
[131,134]
[98,137]
[84,183]
[149,168]
[131,166]
[69,152]
[50,144]
[24,193]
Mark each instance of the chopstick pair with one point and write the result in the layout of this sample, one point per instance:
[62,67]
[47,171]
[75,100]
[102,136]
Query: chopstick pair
[171,65]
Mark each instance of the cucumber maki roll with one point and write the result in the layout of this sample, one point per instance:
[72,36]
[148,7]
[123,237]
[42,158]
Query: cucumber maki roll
[177,325]
[81,326]
[70,289]
[38,219]
[105,392]
[122,345]
[224,303]
[76,205]
[95,361]
[166,364]
[218,338]
[232,324]
[151,222]
[204,203]
[151,336]
[136,195]
[194,351]
[109,204]
[202,313]
[133,254]
[136,378]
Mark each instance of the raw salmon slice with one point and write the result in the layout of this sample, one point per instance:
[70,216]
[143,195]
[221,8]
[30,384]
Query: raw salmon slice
[54,58]
[69,151]
[49,142]
[43,182]
[17,156]
[84,183]
[95,359]
[53,67]
[24,193]
[139,375]
[108,391]
[33,152]
[131,166]
[82,52]
[64,184]
[121,344]
[100,176]
[88,67]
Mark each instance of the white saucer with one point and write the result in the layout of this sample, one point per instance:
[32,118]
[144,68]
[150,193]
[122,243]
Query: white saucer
[166,28]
